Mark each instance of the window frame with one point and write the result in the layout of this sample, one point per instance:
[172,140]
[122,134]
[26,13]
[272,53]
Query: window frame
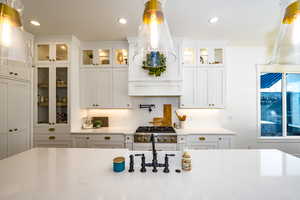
[283,69]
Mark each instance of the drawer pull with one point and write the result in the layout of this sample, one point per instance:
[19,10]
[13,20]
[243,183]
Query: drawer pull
[51,137]
[11,73]
[16,74]
[10,130]
[107,137]
[51,129]
[202,138]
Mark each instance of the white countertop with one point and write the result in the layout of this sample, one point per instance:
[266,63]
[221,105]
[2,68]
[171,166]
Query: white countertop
[105,130]
[86,174]
[128,131]
[208,131]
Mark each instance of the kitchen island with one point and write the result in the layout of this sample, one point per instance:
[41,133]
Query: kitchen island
[86,174]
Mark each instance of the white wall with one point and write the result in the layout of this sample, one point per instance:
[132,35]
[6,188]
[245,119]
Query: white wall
[240,114]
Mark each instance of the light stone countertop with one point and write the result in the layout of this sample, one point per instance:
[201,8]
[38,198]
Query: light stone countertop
[77,174]
[129,131]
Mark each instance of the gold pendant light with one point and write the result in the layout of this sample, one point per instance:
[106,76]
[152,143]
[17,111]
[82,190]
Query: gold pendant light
[287,46]
[154,35]
[9,17]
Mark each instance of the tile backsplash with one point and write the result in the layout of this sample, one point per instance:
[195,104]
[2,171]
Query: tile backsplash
[132,118]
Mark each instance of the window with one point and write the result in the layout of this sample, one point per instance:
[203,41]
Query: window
[279,104]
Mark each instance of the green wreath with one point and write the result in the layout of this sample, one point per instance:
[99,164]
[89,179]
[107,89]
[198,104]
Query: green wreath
[159,68]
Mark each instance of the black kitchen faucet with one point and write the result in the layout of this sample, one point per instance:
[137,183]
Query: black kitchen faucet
[154,163]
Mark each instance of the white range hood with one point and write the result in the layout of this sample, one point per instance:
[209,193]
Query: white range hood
[140,83]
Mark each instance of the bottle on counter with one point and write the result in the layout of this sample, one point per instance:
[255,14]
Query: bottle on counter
[186,162]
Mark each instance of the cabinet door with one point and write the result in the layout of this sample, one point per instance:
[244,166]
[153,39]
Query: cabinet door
[17,142]
[104,88]
[3,119]
[43,85]
[207,145]
[187,100]
[61,94]
[3,107]
[60,52]
[81,141]
[18,106]
[120,89]
[3,146]
[88,88]
[43,53]
[201,88]
[216,88]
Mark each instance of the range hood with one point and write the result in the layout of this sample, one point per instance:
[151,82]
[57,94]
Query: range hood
[140,83]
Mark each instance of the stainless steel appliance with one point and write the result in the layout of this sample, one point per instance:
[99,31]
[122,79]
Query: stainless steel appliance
[166,138]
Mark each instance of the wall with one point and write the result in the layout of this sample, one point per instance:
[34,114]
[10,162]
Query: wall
[240,114]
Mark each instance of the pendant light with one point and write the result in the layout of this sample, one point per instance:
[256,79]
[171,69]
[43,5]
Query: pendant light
[153,35]
[287,45]
[9,18]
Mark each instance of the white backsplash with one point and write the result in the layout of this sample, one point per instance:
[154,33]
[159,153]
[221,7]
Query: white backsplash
[132,118]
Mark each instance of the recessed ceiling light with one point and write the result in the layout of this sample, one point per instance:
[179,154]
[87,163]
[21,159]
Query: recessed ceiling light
[35,23]
[213,20]
[122,21]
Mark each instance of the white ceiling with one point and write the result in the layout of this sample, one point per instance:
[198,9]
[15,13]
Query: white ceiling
[241,21]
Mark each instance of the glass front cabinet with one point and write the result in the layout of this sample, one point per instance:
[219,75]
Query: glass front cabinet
[203,56]
[51,83]
[52,52]
[104,57]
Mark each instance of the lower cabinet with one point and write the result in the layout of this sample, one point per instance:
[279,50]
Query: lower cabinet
[53,141]
[18,142]
[14,117]
[99,141]
[208,142]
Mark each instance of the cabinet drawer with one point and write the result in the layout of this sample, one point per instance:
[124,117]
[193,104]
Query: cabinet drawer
[57,141]
[109,138]
[202,138]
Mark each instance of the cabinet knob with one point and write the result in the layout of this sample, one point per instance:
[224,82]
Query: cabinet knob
[10,130]
[51,137]
[107,137]
[16,74]
[87,138]
[15,129]
[202,138]
[11,73]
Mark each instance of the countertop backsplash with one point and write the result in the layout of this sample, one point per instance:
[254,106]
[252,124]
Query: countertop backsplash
[132,118]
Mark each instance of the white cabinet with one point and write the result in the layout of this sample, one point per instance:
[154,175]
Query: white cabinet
[120,89]
[203,88]
[15,117]
[17,142]
[57,140]
[99,141]
[51,87]
[201,141]
[15,70]
[96,88]
[104,88]
[49,52]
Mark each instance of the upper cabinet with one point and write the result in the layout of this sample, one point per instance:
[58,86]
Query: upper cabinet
[104,57]
[204,75]
[52,52]
[203,56]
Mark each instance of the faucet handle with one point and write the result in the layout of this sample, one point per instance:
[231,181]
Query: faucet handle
[166,165]
[143,164]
